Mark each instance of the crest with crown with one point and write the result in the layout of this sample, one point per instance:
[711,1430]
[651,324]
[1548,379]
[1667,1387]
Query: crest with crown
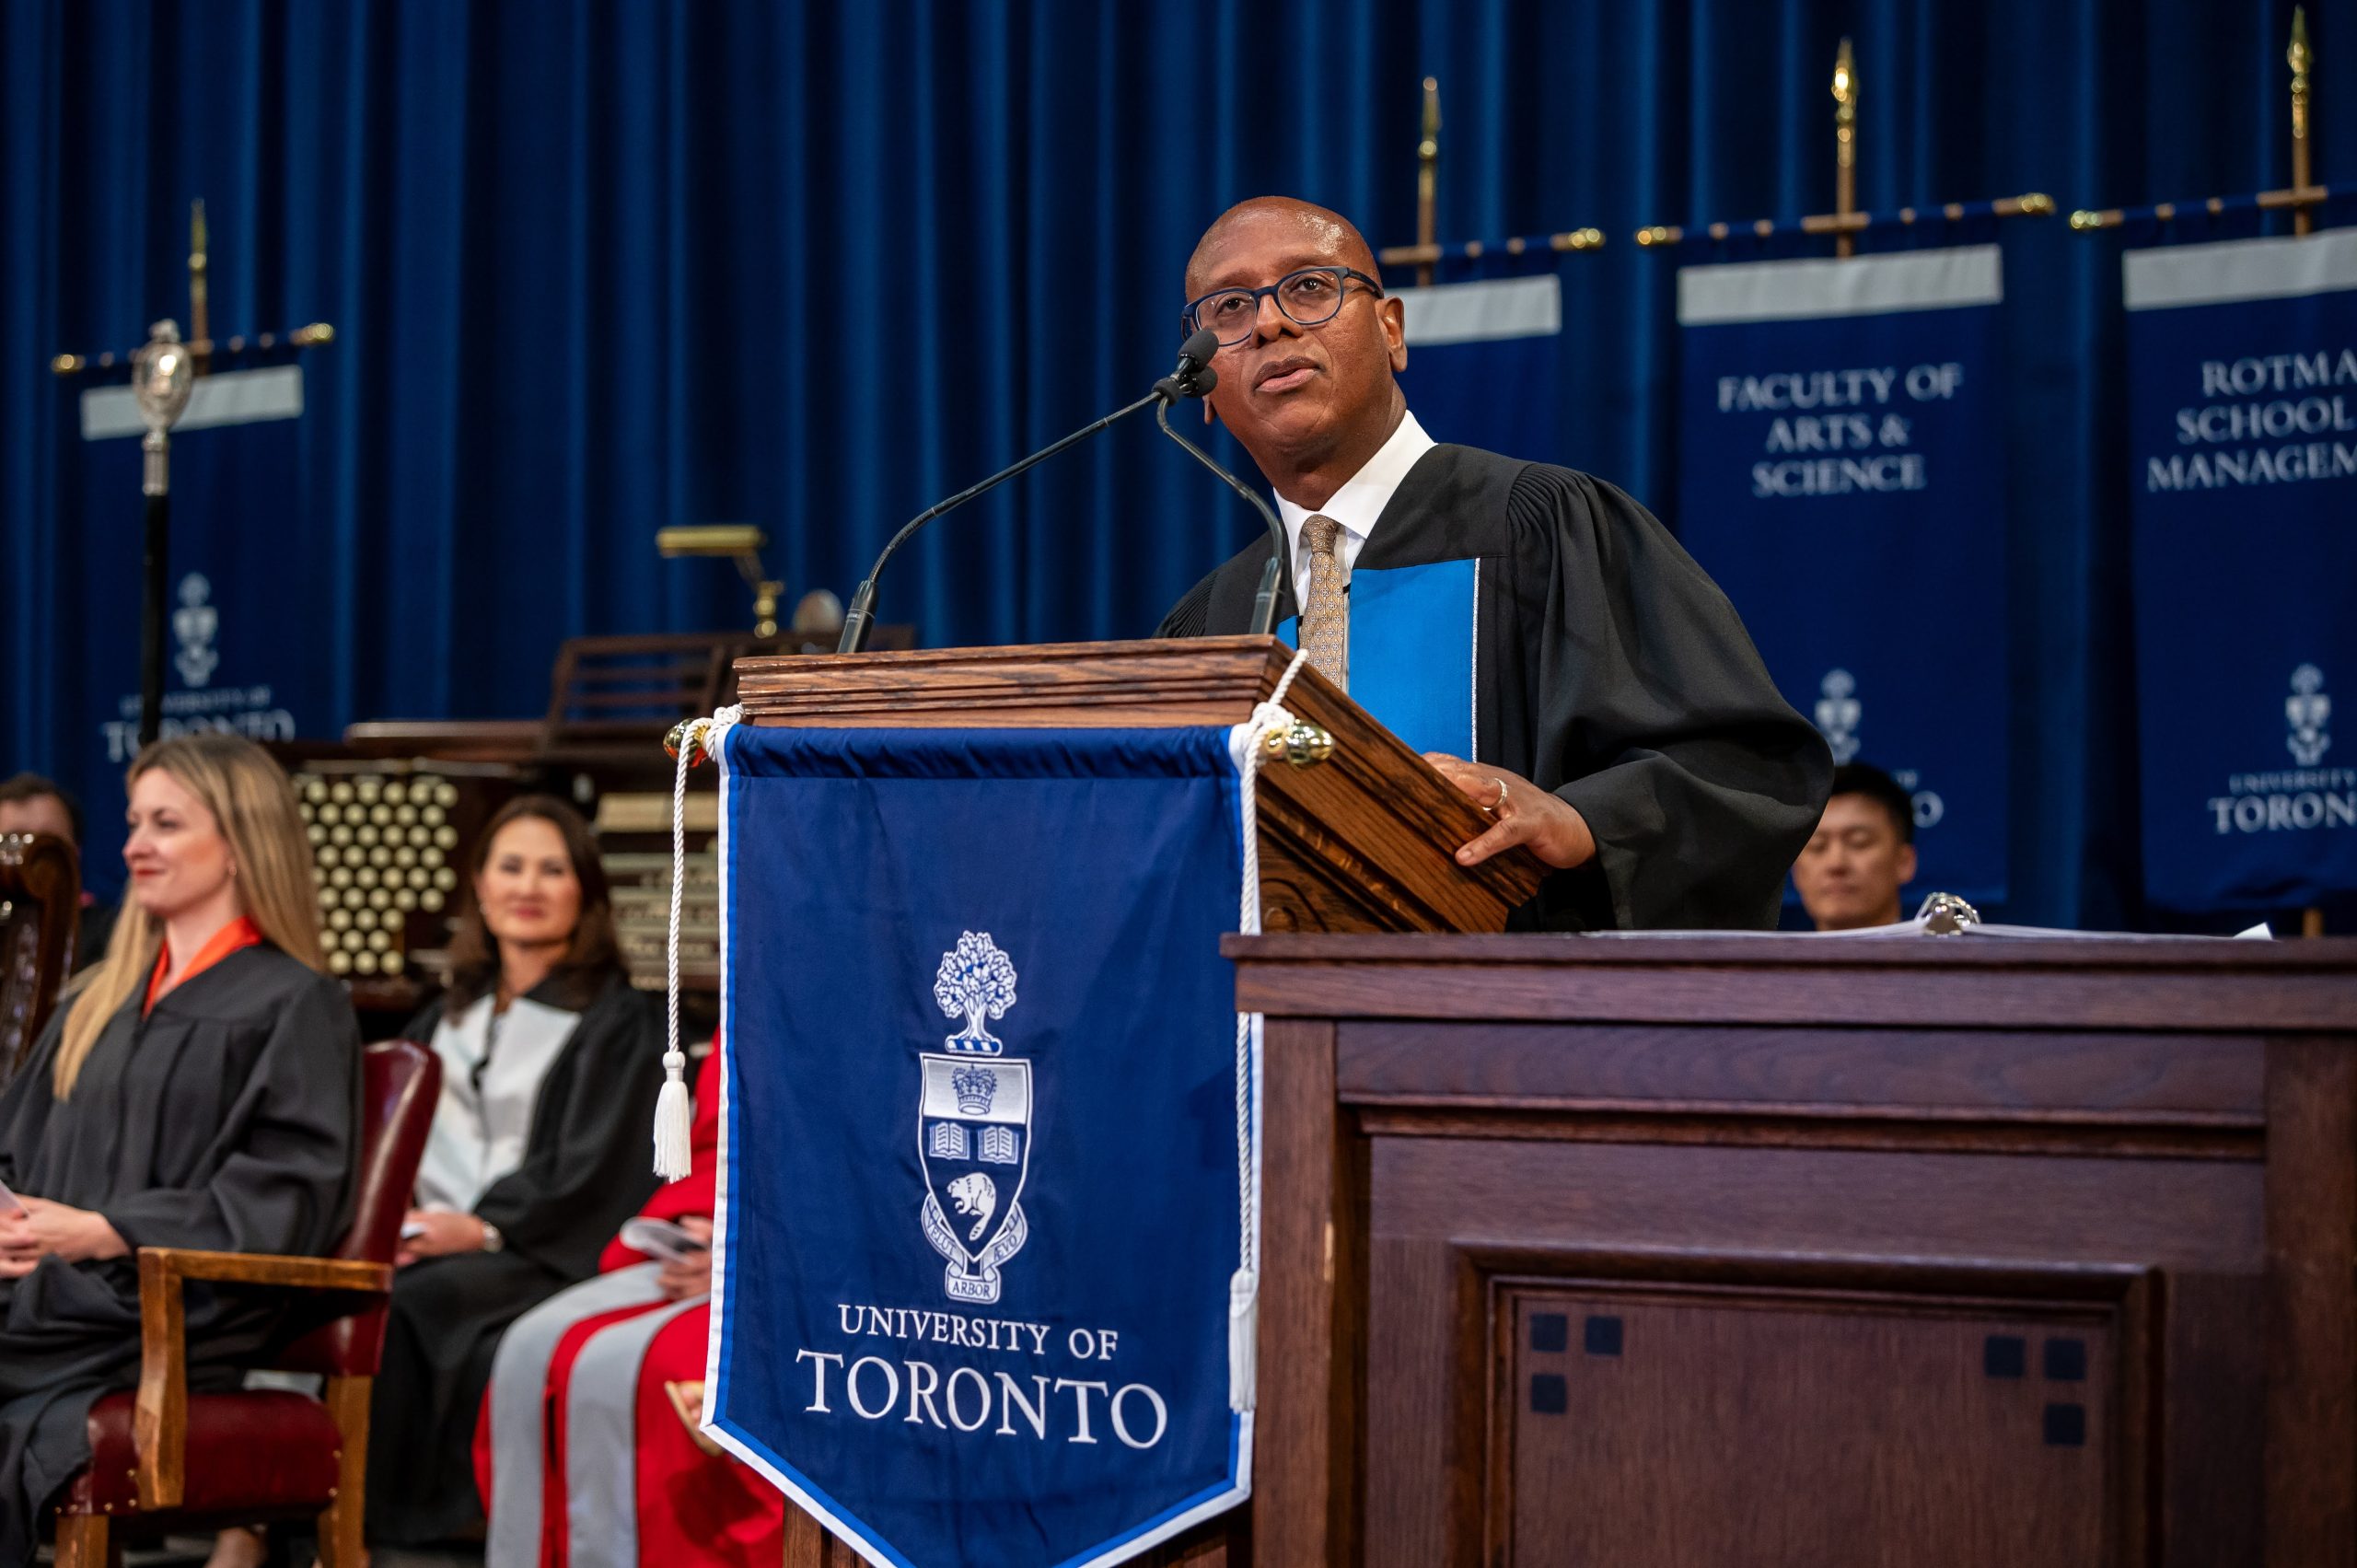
[974,1087]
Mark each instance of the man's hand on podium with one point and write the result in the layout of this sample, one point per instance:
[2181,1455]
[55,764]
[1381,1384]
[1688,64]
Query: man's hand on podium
[1526,814]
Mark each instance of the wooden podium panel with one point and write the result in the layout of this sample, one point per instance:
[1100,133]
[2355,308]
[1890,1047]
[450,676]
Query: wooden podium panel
[1661,1251]
[1825,1426]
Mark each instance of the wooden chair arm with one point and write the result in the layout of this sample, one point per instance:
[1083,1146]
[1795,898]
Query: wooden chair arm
[264,1269]
[159,1421]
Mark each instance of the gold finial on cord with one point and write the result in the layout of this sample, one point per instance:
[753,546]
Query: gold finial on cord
[1845,142]
[200,310]
[2301,59]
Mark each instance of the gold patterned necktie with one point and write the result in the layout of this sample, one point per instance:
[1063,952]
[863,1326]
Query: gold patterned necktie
[1326,619]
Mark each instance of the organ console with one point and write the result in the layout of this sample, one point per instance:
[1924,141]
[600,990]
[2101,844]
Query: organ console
[394,810]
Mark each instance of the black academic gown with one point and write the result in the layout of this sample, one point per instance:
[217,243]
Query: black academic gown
[589,1166]
[226,1119]
[1613,672]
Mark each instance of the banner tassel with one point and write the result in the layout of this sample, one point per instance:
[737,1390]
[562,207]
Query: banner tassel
[1243,1340]
[674,1117]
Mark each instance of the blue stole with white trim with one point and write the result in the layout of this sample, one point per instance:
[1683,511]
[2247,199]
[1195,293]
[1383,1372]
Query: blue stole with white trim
[1413,661]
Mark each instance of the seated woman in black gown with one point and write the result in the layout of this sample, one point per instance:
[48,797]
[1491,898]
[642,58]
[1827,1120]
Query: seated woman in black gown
[202,1088]
[541,1148]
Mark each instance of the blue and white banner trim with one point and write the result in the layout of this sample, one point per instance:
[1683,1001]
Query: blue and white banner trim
[1483,311]
[1809,290]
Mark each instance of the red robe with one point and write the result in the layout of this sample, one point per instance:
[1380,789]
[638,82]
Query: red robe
[689,1506]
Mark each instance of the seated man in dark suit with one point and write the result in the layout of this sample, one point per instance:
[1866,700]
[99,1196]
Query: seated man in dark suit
[32,804]
[1861,854]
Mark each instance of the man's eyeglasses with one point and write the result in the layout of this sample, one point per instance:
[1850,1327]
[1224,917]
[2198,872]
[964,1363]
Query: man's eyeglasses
[1310,297]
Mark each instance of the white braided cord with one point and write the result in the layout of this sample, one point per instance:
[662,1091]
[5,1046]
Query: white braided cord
[1267,718]
[672,1116]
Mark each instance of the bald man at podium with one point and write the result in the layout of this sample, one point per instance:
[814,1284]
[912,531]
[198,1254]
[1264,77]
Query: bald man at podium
[1534,631]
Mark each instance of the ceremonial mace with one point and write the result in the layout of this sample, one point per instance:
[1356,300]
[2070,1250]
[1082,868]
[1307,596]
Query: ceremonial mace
[163,374]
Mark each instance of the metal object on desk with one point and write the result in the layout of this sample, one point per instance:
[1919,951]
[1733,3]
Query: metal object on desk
[1944,914]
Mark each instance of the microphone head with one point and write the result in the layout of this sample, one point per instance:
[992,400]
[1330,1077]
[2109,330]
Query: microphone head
[1194,376]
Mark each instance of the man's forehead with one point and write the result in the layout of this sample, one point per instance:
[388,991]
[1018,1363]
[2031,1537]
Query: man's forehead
[1246,266]
[1273,241]
[1851,809]
[35,807]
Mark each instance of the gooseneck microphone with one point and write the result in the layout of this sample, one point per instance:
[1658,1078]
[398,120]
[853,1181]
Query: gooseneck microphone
[1194,366]
[1264,601]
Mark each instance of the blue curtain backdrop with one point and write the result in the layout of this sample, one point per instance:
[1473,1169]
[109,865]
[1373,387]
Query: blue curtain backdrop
[597,268]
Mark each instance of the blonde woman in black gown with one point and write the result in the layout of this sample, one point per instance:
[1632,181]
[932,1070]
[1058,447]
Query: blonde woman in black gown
[200,1089]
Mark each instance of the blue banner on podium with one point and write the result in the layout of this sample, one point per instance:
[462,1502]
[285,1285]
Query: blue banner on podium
[2242,432]
[979,1201]
[1843,477]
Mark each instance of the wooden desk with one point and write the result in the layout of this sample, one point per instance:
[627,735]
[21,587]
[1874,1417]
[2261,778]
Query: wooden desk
[1741,1252]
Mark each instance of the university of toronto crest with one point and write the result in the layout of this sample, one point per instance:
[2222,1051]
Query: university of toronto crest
[1838,713]
[2308,709]
[974,1125]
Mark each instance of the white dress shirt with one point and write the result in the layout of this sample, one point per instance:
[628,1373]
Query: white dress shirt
[1358,504]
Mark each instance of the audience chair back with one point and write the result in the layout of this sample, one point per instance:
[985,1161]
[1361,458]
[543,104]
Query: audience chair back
[401,1082]
[40,902]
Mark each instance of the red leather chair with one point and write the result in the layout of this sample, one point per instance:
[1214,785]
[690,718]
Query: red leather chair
[172,1459]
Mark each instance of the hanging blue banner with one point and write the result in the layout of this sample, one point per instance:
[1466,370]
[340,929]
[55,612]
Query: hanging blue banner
[1482,366]
[1841,475]
[2242,362]
[247,628]
[981,1203]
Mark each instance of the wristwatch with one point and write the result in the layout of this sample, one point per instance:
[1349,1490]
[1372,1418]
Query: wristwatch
[492,1240]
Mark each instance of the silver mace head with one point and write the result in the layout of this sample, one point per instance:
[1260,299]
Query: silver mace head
[162,377]
[163,374]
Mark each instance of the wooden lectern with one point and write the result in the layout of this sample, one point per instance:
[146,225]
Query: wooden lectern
[1657,1251]
[1361,841]
[1736,1250]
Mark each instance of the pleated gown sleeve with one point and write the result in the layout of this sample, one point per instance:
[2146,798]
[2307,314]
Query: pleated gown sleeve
[1632,690]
